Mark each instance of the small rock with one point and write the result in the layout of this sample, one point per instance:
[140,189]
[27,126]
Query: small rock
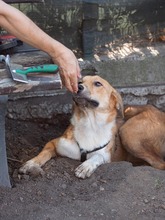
[21,199]
[103,181]
[162,206]
[63,186]
[15,173]
[101,188]
[94,184]
[146,201]
[39,193]
[25,177]
[62,194]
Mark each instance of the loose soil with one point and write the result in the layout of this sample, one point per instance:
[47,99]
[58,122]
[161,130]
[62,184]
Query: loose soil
[115,191]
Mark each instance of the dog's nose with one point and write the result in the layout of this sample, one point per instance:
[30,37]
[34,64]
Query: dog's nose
[80,87]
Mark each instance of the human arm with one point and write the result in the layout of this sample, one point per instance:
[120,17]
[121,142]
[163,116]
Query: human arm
[15,22]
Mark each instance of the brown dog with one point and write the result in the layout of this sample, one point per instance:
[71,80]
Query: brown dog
[142,136]
[91,134]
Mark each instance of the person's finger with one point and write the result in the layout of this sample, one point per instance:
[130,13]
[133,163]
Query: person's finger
[78,70]
[68,85]
[67,82]
[74,84]
[62,79]
[70,79]
[74,80]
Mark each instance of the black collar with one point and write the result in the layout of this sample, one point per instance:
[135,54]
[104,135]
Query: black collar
[85,152]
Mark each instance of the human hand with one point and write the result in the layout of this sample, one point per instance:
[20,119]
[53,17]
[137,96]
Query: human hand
[69,68]
[15,22]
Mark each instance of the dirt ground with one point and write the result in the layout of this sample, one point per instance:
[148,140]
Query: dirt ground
[115,191]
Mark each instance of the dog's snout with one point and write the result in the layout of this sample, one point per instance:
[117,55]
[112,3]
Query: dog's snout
[80,87]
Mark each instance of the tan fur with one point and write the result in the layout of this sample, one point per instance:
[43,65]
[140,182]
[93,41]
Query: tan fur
[141,135]
[93,125]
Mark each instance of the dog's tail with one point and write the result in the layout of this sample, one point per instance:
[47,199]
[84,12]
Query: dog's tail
[131,111]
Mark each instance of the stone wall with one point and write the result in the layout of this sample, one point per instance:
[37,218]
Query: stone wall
[86,25]
[123,38]
[46,106]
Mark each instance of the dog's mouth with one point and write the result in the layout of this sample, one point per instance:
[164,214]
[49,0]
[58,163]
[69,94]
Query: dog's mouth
[84,101]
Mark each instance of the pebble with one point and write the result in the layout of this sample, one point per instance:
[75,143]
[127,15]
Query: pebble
[102,188]
[39,193]
[62,194]
[25,177]
[63,186]
[162,206]
[15,173]
[146,201]
[103,181]
[94,184]
[21,199]
[113,210]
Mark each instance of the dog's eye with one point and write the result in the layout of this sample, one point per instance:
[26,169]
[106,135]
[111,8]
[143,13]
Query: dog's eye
[97,84]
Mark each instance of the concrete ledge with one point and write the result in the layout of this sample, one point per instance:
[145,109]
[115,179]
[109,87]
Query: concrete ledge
[48,107]
[138,74]
[130,66]
[143,95]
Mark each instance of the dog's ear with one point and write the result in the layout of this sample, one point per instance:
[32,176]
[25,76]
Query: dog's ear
[118,102]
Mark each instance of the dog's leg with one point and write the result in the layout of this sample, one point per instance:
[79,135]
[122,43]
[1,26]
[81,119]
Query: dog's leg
[138,151]
[90,165]
[60,146]
[143,137]
[33,166]
[151,158]
[156,162]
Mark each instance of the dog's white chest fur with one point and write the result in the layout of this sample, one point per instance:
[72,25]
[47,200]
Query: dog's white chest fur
[91,135]
[92,131]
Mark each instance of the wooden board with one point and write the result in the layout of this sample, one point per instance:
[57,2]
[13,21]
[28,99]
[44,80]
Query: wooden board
[36,82]
[23,1]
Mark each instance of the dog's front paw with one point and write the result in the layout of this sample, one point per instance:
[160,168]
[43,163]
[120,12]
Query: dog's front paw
[85,169]
[32,168]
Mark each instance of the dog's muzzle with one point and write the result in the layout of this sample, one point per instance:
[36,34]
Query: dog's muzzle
[82,98]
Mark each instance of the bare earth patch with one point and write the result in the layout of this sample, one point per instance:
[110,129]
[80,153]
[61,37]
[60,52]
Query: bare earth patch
[115,191]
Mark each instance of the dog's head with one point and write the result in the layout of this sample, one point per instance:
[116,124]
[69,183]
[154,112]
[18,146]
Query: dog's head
[95,92]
